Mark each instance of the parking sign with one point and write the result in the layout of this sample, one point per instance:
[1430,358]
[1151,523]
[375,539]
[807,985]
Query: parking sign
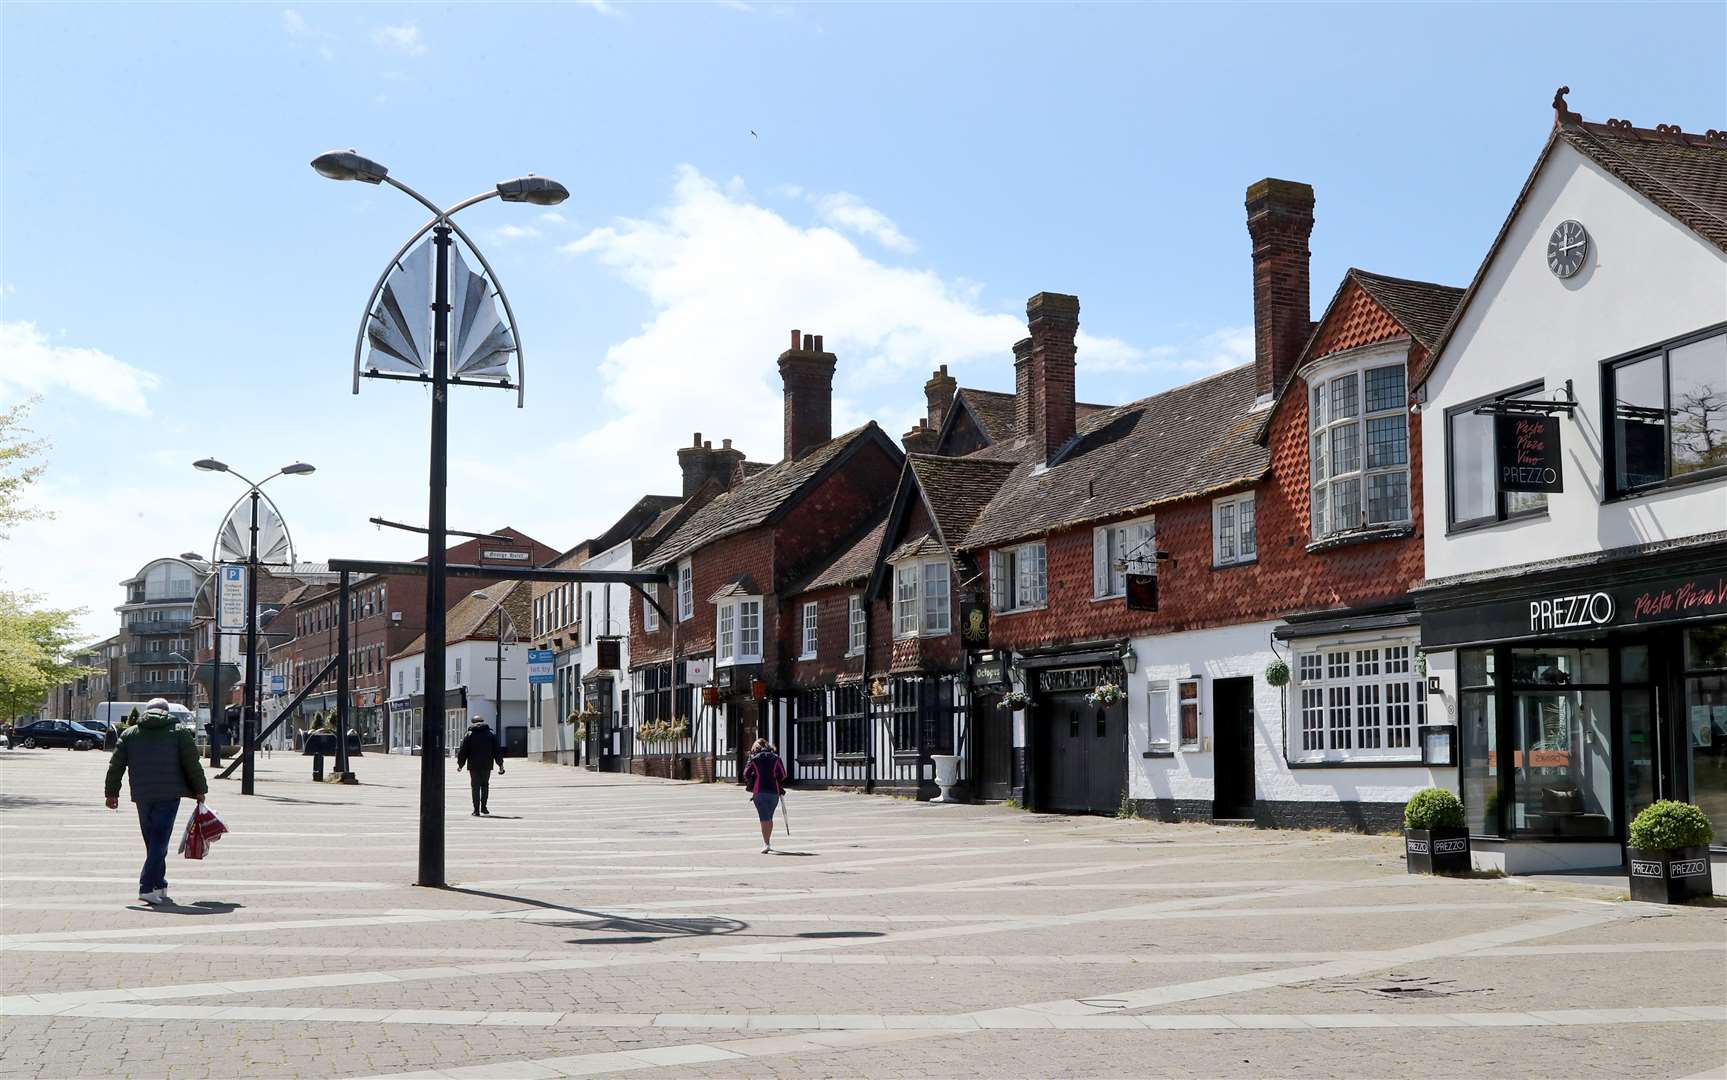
[231,606]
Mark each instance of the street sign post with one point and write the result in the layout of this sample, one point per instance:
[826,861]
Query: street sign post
[231,601]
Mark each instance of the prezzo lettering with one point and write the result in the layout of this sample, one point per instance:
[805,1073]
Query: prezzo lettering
[1564,612]
[1449,847]
[1640,868]
[1527,474]
[1417,847]
[1690,868]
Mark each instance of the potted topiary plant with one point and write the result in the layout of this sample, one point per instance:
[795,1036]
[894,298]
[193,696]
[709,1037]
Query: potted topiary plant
[1669,844]
[1435,840]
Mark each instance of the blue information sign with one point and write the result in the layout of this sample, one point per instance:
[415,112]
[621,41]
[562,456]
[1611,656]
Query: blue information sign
[540,666]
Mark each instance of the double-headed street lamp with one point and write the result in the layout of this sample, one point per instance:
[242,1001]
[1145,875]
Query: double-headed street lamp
[226,540]
[407,345]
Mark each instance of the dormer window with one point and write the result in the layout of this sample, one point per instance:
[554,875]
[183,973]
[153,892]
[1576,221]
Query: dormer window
[922,604]
[738,630]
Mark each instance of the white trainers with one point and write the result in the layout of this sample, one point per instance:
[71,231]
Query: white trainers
[154,896]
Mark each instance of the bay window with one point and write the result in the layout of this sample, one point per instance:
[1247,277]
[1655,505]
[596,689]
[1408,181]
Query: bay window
[1118,549]
[1018,578]
[738,631]
[922,604]
[1357,701]
[1233,536]
[1358,448]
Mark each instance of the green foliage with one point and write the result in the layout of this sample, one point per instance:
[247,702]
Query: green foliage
[36,648]
[1431,808]
[1127,808]
[1667,825]
[16,471]
[1277,673]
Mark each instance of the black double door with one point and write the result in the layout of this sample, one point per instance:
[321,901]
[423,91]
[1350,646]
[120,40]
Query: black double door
[1085,765]
[1232,730]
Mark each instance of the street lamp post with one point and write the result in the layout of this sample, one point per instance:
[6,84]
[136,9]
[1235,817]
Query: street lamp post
[498,660]
[249,709]
[398,344]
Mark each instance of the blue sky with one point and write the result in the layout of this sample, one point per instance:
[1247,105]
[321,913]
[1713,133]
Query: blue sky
[176,281]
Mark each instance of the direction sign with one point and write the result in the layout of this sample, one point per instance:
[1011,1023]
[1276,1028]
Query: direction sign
[540,666]
[278,684]
[231,606]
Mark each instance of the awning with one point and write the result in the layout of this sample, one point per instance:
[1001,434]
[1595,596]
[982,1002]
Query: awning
[1092,653]
[1327,624]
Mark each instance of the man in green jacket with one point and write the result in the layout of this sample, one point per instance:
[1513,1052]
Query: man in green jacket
[161,763]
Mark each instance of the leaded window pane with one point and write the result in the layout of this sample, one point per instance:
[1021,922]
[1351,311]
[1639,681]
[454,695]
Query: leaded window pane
[1345,505]
[1387,497]
[1387,441]
[1345,449]
[1345,397]
[1385,388]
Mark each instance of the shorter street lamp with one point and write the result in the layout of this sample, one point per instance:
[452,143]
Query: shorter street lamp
[249,712]
[498,658]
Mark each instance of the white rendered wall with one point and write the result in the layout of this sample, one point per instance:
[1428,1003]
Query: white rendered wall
[620,557]
[1647,279]
[1231,652]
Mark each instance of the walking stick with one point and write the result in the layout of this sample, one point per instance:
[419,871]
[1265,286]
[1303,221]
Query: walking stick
[787,814]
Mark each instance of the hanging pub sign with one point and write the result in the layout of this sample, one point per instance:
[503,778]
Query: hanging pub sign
[1526,452]
[989,674]
[608,654]
[1142,592]
[974,623]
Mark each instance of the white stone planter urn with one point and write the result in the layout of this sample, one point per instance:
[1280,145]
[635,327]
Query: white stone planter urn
[946,775]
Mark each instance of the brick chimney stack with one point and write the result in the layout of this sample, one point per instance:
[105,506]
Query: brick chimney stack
[1280,221]
[700,460]
[1025,404]
[1054,320]
[920,439]
[808,374]
[938,392]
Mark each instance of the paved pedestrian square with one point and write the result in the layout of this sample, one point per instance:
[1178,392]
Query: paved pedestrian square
[600,924]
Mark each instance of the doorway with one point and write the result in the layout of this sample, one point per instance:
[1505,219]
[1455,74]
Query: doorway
[992,742]
[1232,724]
[1085,754]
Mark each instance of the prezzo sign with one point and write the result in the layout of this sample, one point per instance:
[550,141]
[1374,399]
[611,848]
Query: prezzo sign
[1527,453]
[1579,610]
[1681,868]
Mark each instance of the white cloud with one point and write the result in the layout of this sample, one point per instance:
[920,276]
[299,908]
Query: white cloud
[1203,355]
[844,210]
[294,23]
[400,37]
[302,32]
[552,217]
[31,364]
[514,232]
[600,7]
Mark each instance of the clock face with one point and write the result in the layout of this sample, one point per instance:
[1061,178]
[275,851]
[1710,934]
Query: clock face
[1567,248]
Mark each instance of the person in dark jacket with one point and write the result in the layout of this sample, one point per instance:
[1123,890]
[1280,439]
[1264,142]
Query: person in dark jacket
[765,777]
[160,762]
[480,750]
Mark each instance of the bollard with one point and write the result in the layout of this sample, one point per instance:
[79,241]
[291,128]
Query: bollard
[318,768]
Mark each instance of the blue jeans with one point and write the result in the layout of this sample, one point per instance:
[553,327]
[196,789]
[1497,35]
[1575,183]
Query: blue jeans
[156,822]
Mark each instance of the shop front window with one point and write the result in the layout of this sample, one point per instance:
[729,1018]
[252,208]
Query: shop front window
[1703,751]
[1480,738]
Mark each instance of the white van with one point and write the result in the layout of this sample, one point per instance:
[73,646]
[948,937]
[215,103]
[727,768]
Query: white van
[112,712]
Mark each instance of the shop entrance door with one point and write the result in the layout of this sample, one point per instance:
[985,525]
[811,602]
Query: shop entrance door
[1086,757]
[992,734]
[1232,709]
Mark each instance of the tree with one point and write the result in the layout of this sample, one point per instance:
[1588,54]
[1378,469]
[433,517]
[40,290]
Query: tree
[36,647]
[17,472]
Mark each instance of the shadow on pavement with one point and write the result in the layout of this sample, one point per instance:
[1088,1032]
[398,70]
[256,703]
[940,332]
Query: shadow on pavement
[842,933]
[202,907]
[698,926]
[797,854]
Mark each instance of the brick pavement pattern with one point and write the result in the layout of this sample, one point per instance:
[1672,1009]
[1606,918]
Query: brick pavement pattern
[602,924]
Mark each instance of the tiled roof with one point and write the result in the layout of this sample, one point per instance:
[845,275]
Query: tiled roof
[1181,443]
[472,616]
[638,519]
[1685,175]
[757,499]
[918,546]
[994,412]
[853,564]
[957,489]
[1421,307]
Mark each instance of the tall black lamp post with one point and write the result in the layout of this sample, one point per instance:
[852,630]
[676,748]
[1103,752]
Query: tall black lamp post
[249,710]
[407,345]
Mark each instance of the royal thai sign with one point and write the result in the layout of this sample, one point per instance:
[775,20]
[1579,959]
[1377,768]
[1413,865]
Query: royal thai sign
[1055,680]
[1527,453]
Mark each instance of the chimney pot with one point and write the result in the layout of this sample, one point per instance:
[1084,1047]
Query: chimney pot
[809,342]
[697,441]
[725,444]
[794,339]
[707,444]
[819,343]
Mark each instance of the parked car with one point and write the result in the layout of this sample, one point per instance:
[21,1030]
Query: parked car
[58,733]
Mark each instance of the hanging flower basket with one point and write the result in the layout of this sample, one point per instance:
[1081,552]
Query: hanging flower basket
[1104,694]
[710,695]
[1421,664]
[1014,699]
[879,692]
[1277,673]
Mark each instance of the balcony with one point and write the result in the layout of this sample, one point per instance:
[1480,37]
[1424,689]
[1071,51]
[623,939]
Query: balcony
[141,601]
[157,689]
[160,626]
[136,658]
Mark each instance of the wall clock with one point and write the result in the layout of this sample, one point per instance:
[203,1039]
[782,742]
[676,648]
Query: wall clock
[1567,248]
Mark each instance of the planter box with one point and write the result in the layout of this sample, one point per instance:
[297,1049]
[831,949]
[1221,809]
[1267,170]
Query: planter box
[1444,850]
[1670,877]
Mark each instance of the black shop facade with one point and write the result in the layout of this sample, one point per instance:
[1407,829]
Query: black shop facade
[1582,690]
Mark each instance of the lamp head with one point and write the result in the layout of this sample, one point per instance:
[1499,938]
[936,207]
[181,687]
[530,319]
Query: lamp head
[209,464]
[537,190]
[299,468]
[348,165]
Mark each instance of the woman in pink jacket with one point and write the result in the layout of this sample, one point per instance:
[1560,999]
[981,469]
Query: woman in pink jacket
[765,776]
